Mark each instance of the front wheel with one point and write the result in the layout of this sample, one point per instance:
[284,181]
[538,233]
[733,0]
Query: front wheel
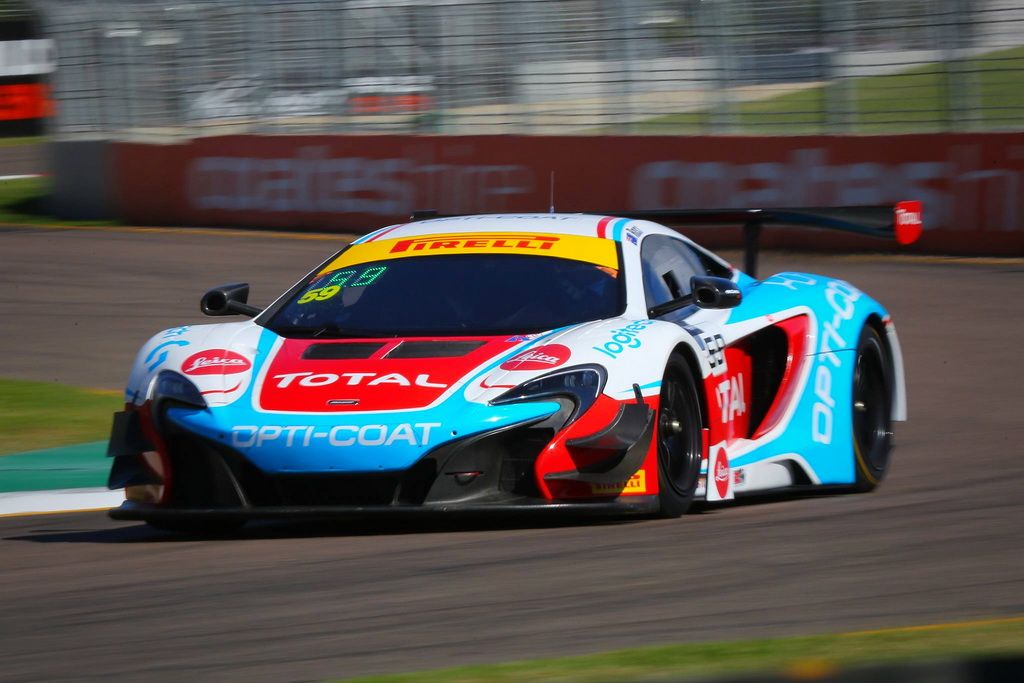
[872,410]
[680,434]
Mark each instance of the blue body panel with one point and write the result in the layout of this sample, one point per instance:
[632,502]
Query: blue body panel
[820,429]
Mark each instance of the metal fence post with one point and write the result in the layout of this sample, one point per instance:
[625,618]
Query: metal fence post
[838,19]
[721,117]
[626,53]
[197,66]
[960,66]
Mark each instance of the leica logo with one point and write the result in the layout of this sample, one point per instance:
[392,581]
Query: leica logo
[215,362]
[540,358]
[545,358]
[203,362]
[722,473]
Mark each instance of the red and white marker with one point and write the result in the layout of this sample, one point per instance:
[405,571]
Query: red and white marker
[909,221]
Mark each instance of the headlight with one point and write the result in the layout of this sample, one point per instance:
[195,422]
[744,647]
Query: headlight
[172,386]
[583,384]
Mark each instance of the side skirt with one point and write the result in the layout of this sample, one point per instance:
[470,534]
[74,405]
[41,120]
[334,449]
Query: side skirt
[757,478]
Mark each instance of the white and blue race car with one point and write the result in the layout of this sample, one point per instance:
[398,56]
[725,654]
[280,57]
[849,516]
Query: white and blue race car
[516,362]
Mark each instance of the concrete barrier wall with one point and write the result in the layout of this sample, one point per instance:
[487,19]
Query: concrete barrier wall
[971,184]
[82,173]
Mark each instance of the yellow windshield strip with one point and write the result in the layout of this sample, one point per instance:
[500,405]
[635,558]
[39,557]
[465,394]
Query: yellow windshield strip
[594,250]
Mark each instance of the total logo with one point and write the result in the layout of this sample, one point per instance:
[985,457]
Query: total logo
[353,379]
[627,337]
[540,358]
[729,394]
[413,434]
[215,362]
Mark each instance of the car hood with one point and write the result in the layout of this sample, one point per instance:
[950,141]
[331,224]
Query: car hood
[357,375]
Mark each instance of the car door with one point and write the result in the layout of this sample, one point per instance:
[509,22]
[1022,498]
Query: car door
[668,264]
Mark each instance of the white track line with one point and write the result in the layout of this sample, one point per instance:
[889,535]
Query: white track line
[60,500]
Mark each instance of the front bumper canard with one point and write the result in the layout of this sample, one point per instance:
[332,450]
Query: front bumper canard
[623,446]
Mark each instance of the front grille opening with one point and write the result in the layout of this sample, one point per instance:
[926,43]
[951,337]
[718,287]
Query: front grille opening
[520,455]
[199,476]
[506,459]
[417,481]
[434,349]
[341,351]
[210,475]
[336,489]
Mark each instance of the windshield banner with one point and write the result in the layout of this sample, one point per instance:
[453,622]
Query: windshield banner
[594,250]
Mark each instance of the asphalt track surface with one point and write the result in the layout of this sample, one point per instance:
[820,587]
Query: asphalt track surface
[84,598]
[24,159]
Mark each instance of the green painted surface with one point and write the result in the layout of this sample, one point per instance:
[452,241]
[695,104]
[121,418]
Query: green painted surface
[915,100]
[798,659]
[83,465]
[25,201]
[36,415]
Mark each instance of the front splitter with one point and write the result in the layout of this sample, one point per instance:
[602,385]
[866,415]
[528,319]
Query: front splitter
[628,506]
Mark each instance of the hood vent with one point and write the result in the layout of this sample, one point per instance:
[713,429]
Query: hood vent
[341,351]
[434,349]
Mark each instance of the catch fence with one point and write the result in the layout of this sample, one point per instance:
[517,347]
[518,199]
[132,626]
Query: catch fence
[147,70]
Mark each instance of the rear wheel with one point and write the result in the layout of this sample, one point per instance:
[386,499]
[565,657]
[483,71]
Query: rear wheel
[872,410]
[680,437]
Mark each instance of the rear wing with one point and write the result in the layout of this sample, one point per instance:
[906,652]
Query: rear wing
[901,222]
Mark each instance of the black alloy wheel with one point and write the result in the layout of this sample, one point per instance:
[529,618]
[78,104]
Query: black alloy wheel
[872,410]
[679,438]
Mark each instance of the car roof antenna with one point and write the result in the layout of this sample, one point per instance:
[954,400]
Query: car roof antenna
[551,208]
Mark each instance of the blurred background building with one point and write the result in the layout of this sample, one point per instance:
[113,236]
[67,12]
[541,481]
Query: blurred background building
[262,113]
[26,62]
[149,69]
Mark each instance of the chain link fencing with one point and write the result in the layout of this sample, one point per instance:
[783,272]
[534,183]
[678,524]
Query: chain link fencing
[146,70]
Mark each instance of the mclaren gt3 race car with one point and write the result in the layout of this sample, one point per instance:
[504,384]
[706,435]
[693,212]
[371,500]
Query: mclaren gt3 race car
[528,362]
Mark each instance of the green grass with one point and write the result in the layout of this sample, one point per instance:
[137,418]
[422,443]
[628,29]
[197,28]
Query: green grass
[806,656]
[25,140]
[25,201]
[36,415]
[916,100]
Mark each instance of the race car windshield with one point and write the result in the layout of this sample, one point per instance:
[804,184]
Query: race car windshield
[464,294]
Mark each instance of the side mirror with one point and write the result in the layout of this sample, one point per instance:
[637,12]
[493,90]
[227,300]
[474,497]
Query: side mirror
[715,292]
[228,300]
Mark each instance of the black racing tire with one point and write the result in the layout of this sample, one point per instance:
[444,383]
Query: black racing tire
[198,527]
[872,410]
[680,438]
